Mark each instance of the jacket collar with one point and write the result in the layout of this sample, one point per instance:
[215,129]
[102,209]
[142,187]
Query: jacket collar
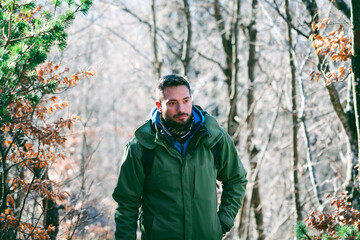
[150,131]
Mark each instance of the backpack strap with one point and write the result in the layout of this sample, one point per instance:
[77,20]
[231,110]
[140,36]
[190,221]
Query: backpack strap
[147,160]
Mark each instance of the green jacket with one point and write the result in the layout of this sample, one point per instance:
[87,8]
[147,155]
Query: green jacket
[179,197]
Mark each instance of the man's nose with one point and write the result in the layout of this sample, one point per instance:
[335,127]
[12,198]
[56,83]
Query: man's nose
[181,107]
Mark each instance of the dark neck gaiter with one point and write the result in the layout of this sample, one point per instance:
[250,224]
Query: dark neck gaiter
[180,133]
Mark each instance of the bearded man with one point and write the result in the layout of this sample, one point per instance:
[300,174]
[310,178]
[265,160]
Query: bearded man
[169,172]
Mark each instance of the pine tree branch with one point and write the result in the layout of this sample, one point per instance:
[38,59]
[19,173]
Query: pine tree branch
[8,37]
[303,231]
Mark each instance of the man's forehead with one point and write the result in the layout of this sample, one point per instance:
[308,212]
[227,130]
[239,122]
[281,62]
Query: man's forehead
[176,92]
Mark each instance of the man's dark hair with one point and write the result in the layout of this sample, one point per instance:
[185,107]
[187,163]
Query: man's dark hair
[170,81]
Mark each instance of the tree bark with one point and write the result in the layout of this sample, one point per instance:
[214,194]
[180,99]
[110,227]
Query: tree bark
[294,110]
[232,124]
[355,78]
[226,43]
[185,56]
[252,150]
[157,63]
[342,6]
[244,223]
[229,44]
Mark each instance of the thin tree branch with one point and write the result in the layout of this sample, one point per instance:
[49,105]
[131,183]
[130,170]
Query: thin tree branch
[130,44]
[276,8]
[302,118]
[125,9]
[211,60]
[255,173]
[23,205]
[250,110]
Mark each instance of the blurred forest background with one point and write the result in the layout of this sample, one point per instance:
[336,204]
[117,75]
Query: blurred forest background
[274,73]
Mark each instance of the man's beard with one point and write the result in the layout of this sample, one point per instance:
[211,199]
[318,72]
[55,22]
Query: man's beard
[177,125]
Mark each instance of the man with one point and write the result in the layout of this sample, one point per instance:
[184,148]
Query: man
[170,169]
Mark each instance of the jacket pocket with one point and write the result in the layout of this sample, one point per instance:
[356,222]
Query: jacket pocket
[219,228]
[147,222]
[163,229]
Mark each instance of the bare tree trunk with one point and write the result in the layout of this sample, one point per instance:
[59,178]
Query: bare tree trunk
[244,223]
[51,214]
[226,43]
[342,6]
[294,117]
[251,148]
[185,56]
[355,79]
[3,175]
[229,45]
[157,63]
[232,124]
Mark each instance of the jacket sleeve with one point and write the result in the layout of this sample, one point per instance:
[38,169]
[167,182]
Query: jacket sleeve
[232,174]
[128,194]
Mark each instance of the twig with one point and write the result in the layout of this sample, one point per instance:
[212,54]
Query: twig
[34,227]
[130,44]
[23,205]
[211,60]
[276,8]
[309,160]
[261,159]
[249,112]
[255,173]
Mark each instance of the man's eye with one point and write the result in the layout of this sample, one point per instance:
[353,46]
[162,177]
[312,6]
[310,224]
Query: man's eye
[172,103]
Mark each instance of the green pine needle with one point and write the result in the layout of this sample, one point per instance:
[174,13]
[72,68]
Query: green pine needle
[301,231]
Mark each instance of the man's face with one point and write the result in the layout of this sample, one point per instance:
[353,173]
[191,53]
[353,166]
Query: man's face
[176,105]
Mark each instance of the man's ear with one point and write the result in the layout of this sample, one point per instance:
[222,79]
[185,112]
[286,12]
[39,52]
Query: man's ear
[158,105]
